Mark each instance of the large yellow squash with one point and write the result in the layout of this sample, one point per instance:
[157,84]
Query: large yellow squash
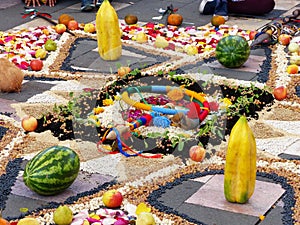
[108,32]
[240,166]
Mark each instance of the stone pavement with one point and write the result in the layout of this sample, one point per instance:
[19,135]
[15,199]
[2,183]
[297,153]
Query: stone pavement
[183,198]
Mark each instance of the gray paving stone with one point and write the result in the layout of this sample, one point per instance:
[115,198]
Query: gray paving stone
[211,216]
[29,89]
[182,192]
[16,202]
[84,182]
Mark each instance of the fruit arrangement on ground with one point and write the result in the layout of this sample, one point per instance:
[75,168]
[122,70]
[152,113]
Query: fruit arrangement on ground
[65,18]
[294,57]
[240,165]
[52,170]
[232,51]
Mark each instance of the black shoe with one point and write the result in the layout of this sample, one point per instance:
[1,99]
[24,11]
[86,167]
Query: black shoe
[207,7]
[99,2]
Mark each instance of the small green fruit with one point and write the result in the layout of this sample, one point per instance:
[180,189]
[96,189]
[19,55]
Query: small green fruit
[145,218]
[63,215]
[41,53]
[50,45]
[28,221]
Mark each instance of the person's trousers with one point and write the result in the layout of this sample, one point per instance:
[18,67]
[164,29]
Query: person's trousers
[251,7]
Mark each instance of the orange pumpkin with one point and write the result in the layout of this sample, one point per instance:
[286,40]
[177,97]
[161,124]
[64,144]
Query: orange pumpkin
[217,20]
[65,19]
[3,221]
[175,19]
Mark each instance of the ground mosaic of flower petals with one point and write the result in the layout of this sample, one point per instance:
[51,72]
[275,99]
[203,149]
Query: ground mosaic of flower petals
[17,146]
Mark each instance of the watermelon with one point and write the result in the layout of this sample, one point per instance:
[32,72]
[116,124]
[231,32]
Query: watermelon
[232,51]
[52,170]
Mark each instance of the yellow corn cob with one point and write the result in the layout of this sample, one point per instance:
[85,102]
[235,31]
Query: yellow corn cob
[108,32]
[240,167]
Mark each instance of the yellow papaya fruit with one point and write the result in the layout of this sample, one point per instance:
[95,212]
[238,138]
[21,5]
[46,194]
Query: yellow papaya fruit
[108,32]
[240,164]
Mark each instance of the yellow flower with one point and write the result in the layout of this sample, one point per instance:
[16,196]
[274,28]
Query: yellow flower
[94,216]
[142,207]
[227,102]
[98,110]
[107,102]
[95,120]
[261,217]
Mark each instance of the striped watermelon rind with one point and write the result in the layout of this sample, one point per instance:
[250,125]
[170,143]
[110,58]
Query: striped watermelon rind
[52,170]
[232,51]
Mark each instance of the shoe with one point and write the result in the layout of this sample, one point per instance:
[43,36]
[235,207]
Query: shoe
[207,7]
[98,3]
[87,6]
[225,17]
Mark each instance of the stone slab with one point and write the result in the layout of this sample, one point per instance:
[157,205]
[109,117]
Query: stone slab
[252,65]
[178,194]
[212,195]
[294,148]
[15,203]
[84,182]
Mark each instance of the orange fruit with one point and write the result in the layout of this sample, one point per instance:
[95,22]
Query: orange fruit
[175,19]
[130,19]
[65,18]
[217,20]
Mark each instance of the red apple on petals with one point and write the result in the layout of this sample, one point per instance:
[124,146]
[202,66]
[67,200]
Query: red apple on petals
[280,93]
[284,39]
[36,64]
[252,34]
[29,123]
[72,25]
[197,153]
[112,198]
[60,28]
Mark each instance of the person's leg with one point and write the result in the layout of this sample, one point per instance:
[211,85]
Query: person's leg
[221,8]
[87,5]
[251,7]
[207,7]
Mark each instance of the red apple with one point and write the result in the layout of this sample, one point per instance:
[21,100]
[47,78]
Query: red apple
[252,34]
[112,198]
[280,93]
[72,25]
[36,64]
[197,153]
[60,28]
[29,123]
[284,39]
